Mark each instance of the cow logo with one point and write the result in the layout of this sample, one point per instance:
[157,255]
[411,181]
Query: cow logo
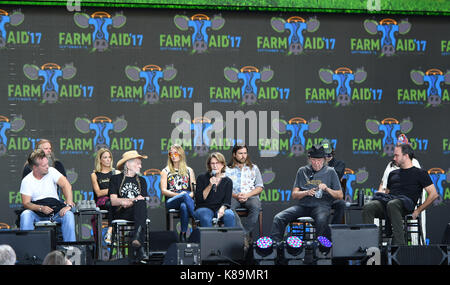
[298,143]
[249,75]
[50,72]
[435,95]
[151,92]
[438,176]
[294,39]
[13,37]
[101,38]
[201,39]
[359,177]
[15,125]
[13,19]
[389,44]
[390,128]
[101,125]
[153,179]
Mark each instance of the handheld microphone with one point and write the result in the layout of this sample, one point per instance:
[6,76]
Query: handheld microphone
[213,173]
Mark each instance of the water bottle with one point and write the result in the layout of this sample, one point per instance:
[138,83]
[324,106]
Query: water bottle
[318,194]
[360,198]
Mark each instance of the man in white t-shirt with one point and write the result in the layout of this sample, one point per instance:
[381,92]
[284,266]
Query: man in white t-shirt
[40,184]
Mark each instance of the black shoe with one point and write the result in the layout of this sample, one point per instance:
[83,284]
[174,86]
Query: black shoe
[139,254]
[182,237]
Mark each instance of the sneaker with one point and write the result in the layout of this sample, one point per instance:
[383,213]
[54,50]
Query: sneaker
[108,238]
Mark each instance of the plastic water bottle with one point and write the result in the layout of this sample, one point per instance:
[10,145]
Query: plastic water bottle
[318,194]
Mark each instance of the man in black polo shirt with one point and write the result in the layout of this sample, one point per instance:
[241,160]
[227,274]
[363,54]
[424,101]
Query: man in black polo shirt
[403,191]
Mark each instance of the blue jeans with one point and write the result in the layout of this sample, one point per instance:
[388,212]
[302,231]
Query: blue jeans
[205,215]
[320,214]
[185,204]
[28,218]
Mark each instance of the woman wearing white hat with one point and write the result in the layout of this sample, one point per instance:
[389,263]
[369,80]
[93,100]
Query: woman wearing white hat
[127,191]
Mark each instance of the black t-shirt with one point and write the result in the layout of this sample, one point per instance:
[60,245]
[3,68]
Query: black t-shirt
[215,199]
[408,182]
[128,189]
[103,181]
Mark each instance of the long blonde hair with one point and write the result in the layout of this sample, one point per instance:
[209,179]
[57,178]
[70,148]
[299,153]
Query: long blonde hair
[98,164]
[182,167]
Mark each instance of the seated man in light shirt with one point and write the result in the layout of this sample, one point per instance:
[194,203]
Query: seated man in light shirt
[247,185]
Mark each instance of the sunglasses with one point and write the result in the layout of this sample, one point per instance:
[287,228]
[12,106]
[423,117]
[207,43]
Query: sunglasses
[174,154]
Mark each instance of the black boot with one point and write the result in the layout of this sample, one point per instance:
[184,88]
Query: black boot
[140,256]
[182,237]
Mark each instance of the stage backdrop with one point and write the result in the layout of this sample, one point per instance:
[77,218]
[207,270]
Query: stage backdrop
[133,78]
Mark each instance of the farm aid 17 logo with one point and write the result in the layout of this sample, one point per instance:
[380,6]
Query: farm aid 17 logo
[347,91]
[102,33]
[11,36]
[431,92]
[293,39]
[201,35]
[14,143]
[389,39]
[148,87]
[389,129]
[101,127]
[51,87]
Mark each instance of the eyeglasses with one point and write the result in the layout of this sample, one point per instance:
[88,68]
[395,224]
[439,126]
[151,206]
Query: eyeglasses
[174,154]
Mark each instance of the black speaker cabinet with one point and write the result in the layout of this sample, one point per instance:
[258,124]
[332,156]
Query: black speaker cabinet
[221,244]
[418,255]
[79,253]
[352,241]
[183,254]
[31,247]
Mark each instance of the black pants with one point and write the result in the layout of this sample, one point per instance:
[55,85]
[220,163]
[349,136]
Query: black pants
[138,214]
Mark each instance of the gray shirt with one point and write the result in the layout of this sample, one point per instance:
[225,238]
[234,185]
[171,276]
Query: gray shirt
[307,179]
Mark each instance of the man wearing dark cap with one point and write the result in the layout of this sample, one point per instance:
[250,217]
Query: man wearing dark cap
[316,186]
[339,167]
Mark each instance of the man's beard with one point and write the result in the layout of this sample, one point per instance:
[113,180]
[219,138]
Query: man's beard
[51,159]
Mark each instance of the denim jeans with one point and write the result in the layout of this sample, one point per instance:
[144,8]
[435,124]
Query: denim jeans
[253,204]
[28,218]
[320,214]
[205,215]
[185,204]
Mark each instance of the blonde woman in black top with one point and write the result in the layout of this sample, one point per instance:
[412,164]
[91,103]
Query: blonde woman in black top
[100,183]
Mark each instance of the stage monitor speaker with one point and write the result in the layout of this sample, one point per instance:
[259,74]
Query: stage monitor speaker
[446,237]
[161,240]
[31,247]
[418,255]
[352,241]
[221,244]
[183,254]
[79,253]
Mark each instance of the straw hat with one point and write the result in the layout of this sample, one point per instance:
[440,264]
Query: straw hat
[132,154]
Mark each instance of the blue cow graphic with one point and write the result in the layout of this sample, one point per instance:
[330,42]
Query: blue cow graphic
[200,23]
[50,72]
[248,75]
[151,75]
[391,129]
[350,176]
[388,29]
[298,127]
[438,176]
[296,26]
[153,179]
[16,125]
[101,21]
[434,77]
[13,19]
[101,126]
[343,76]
